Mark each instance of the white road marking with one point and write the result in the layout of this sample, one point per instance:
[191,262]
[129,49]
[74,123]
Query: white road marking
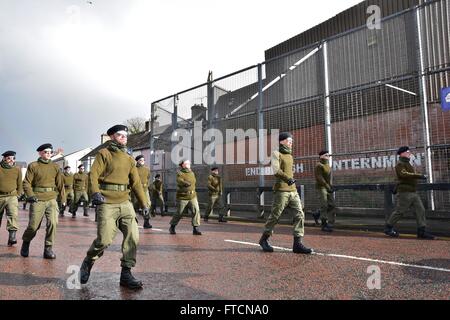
[351,257]
[155,229]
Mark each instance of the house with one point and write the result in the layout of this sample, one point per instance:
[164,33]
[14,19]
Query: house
[71,159]
[138,143]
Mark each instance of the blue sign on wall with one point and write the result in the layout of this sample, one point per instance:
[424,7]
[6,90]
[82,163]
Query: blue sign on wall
[445,99]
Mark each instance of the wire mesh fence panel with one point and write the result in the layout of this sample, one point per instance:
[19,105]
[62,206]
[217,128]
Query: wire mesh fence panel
[163,112]
[192,105]
[293,77]
[235,94]
[367,56]
[377,118]
[362,93]
[435,22]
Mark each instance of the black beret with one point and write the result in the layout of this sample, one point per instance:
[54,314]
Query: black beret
[158,176]
[66,167]
[321,153]
[45,146]
[284,136]
[402,149]
[9,154]
[81,165]
[139,157]
[214,168]
[116,128]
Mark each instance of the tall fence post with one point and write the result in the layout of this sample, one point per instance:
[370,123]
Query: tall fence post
[152,138]
[261,137]
[172,166]
[328,143]
[326,74]
[424,104]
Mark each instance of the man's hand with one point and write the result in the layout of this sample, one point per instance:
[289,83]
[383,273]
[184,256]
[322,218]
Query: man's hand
[98,199]
[32,199]
[291,182]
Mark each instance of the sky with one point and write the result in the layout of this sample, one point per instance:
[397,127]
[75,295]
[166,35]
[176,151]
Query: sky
[70,69]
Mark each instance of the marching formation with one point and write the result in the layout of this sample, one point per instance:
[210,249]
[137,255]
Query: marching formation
[118,186]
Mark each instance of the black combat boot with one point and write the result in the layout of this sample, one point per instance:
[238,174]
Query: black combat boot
[222,219]
[147,224]
[196,232]
[299,247]
[85,212]
[48,253]
[85,270]
[25,250]
[422,234]
[326,227]
[390,231]
[172,229]
[127,279]
[12,238]
[316,216]
[264,243]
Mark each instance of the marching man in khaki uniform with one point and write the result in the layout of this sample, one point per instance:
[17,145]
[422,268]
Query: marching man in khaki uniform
[80,186]
[215,190]
[157,195]
[42,184]
[407,197]
[186,198]
[285,197]
[68,189]
[144,175]
[113,174]
[325,190]
[10,191]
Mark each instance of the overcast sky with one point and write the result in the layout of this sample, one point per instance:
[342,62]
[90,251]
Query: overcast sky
[70,69]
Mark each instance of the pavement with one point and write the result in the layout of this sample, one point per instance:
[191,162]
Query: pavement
[226,263]
[407,225]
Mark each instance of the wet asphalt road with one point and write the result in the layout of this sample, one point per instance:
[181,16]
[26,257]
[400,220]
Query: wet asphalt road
[226,263]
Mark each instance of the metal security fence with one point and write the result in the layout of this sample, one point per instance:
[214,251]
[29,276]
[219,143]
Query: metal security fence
[360,94]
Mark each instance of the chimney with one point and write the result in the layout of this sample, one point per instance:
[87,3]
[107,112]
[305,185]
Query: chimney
[104,137]
[198,112]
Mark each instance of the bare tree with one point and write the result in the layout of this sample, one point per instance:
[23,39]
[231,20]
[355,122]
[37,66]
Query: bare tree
[135,125]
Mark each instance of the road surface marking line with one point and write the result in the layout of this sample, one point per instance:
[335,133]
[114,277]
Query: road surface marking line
[154,229]
[351,257]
